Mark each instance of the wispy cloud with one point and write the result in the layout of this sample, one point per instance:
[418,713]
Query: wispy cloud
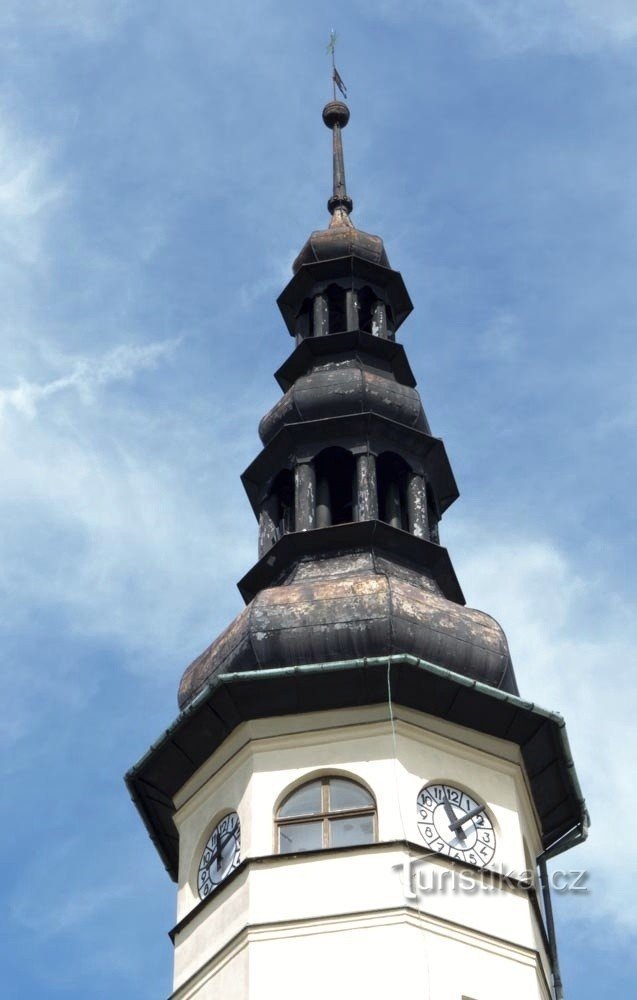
[91,20]
[86,375]
[29,193]
[572,25]
[572,639]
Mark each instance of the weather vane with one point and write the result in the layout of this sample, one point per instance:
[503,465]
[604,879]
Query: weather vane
[336,76]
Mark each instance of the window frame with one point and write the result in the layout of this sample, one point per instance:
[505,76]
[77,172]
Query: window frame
[326,814]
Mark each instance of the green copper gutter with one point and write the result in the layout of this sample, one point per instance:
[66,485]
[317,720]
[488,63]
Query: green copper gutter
[565,842]
[236,680]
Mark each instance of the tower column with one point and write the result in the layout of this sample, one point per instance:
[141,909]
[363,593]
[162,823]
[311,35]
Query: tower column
[351,310]
[366,488]
[268,523]
[432,520]
[320,316]
[417,505]
[305,496]
[379,320]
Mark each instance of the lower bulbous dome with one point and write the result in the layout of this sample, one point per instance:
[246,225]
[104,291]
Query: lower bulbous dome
[352,606]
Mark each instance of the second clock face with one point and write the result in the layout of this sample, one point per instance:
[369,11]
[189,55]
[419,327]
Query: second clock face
[454,824]
[221,855]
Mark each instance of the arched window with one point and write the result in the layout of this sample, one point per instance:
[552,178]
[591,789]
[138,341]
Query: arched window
[326,812]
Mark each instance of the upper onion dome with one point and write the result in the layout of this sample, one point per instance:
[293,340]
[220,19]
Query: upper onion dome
[341,238]
[336,390]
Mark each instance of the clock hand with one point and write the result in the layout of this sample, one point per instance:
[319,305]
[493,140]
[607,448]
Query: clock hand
[216,851]
[221,844]
[457,824]
[452,816]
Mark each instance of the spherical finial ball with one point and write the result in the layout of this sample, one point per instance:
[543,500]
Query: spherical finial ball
[336,113]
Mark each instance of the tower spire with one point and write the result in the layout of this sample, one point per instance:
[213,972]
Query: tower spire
[336,117]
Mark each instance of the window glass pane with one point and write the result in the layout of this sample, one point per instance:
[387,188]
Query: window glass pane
[300,837]
[305,801]
[353,830]
[346,795]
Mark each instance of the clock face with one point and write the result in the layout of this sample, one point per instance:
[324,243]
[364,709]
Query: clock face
[454,824]
[221,855]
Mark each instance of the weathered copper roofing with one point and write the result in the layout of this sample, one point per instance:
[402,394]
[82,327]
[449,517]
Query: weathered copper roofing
[354,605]
[389,355]
[355,386]
[341,238]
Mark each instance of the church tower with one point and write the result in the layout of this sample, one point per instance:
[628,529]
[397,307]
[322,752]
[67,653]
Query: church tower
[353,799]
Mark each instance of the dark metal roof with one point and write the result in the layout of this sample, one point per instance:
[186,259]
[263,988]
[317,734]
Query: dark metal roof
[376,537]
[231,699]
[362,345]
[350,271]
[377,594]
[340,389]
[341,240]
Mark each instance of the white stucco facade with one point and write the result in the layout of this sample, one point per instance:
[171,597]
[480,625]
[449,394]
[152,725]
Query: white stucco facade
[373,921]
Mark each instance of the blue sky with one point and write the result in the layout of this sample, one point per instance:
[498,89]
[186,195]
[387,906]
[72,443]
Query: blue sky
[160,166]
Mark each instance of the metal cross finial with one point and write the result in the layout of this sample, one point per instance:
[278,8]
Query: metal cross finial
[337,80]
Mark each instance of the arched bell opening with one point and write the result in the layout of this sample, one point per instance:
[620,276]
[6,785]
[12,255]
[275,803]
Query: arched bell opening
[337,311]
[335,487]
[392,476]
[372,313]
[277,512]
[304,321]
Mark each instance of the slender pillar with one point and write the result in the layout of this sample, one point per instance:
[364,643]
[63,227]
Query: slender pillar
[417,505]
[268,524]
[320,316]
[351,310]
[379,320]
[355,505]
[304,497]
[366,489]
[432,520]
[393,513]
[323,505]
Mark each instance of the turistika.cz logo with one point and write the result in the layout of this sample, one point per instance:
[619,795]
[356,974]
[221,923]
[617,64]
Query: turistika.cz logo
[422,878]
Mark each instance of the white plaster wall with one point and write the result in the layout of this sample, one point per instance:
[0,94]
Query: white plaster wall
[253,771]
[377,957]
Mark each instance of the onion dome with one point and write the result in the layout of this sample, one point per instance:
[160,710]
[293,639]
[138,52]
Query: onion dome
[336,608]
[341,238]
